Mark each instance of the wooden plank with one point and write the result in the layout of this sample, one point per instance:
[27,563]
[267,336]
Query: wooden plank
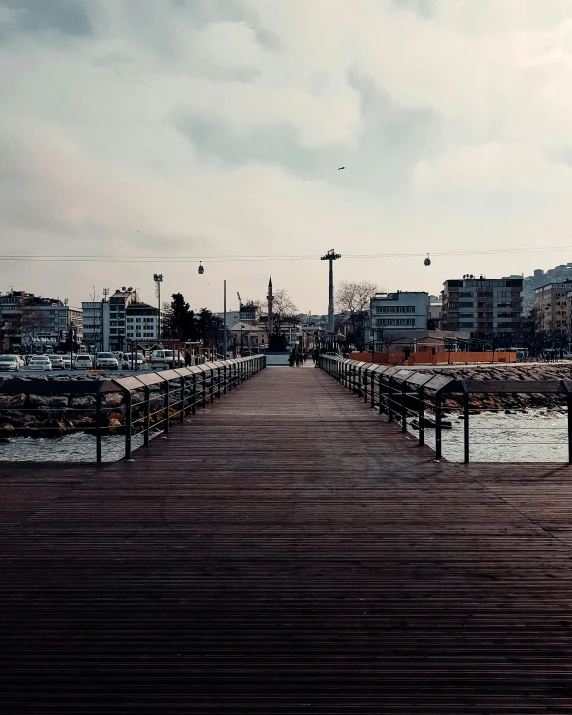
[286,550]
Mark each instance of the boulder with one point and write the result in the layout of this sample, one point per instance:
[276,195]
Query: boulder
[84,401]
[113,399]
[6,429]
[157,403]
[115,425]
[12,402]
[48,401]
[53,428]
[83,423]
[118,417]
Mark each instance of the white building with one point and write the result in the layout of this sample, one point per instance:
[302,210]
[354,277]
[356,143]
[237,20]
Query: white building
[391,314]
[96,325]
[116,323]
[118,304]
[141,323]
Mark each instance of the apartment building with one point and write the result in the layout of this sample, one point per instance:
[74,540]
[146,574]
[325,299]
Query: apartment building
[27,321]
[393,314]
[487,308]
[118,304]
[141,323]
[551,307]
[96,325]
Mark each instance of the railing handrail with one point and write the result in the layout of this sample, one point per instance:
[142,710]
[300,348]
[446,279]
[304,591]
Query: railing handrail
[411,386]
[181,391]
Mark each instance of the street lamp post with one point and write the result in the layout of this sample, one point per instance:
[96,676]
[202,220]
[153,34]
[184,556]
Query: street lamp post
[224,338]
[331,256]
[158,278]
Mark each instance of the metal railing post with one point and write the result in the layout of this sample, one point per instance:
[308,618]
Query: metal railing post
[225,386]
[182,415]
[421,418]
[212,385]
[569,406]
[98,398]
[379,392]
[204,374]
[194,404]
[403,407]
[389,401]
[128,423]
[465,422]
[147,418]
[166,426]
[372,390]
[438,419]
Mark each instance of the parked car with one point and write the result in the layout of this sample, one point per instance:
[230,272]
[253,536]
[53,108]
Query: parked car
[57,362]
[40,363]
[106,361]
[165,360]
[67,362]
[83,362]
[139,362]
[9,362]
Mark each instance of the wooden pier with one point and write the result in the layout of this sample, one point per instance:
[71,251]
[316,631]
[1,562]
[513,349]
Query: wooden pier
[286,551]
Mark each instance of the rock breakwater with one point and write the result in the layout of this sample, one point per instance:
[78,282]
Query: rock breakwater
[28,414]
[519,372]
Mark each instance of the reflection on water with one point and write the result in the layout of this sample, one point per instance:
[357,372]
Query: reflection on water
[538,436]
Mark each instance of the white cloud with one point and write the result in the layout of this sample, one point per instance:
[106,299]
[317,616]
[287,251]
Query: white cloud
[494,167]
[91,152]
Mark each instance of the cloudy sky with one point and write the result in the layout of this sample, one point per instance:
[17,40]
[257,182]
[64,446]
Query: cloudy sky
[165,129]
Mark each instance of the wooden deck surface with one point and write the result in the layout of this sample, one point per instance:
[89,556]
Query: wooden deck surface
[286,551]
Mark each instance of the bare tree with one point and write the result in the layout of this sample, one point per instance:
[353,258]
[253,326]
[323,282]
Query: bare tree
[284,309]
[32,321]
[352,297]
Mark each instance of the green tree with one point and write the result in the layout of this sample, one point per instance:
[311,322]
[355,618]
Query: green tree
[179,321]
[209,328]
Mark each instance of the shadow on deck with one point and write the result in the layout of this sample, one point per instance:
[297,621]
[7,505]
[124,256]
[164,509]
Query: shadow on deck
[286,551]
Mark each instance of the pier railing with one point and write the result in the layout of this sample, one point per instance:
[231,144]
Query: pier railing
[420,400]
[140,405]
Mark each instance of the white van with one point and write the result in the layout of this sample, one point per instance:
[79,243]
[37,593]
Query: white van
[165,360]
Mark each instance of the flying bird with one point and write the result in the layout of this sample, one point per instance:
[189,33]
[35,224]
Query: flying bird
[341,167]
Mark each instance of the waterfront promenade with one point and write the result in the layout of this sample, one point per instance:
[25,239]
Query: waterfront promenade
[286,551]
